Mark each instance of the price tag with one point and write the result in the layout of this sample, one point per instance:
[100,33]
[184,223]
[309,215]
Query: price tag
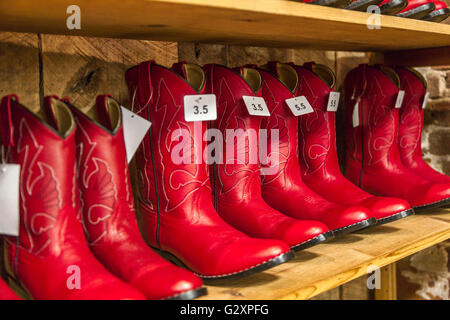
[134,129]
[9,198]
[425,100]
[333,101]
[256,106]
[200,107]
[299,105]
[399,101]
[355,115]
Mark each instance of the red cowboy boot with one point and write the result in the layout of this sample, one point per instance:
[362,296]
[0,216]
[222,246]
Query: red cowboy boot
[411,124]
[108,208]
[318,156]
[372,156]
[177,212]
[237,184]
[51,259]
[6,292]
[283,188]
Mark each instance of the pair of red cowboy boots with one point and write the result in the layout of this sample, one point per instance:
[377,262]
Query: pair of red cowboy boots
[74,176]
[191,210]
[383,140]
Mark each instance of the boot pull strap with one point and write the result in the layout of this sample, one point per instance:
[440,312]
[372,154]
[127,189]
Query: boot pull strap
[145,82]
[309,65]
[272,67]
[7,139]
[178,68]
[49,111]
[102,110]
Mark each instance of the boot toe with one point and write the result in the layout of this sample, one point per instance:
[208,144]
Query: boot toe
[248,255]
[348,219]
[436,194]
[112,290]
[167,282]
[302,231]
[383,207]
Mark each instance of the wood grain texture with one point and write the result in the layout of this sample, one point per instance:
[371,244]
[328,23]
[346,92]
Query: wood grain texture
[81,68]
[251,22]
[388,283]
[332,264]
[19,65]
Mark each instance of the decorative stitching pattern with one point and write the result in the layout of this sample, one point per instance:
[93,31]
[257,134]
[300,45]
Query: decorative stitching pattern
[40,194]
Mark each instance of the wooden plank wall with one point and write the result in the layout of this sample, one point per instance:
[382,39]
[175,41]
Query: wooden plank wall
[80,68]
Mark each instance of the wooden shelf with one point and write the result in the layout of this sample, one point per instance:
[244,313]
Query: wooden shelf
[331,264]
[250,22]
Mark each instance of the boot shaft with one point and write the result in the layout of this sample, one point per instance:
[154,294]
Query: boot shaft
[411,114]
[372,139]
[43,142]
[317,132]
[103,175]
[237,171]
[280,82]
[157,94]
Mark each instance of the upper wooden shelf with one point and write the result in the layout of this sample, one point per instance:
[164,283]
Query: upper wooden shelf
[251,22]
[336,262]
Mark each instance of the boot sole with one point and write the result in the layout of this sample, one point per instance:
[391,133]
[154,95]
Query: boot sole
[354,227]
[419,12]
[438,15]
[189,295]
[282,258]
[314,241]
[394,217]
[331,3]
[393,7]
[436,204]
[362,5]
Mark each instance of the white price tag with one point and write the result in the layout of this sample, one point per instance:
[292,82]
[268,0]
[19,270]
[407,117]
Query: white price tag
[399,101]
[333,101]
[299,105]
[256,106]
[425,100]
[9,199]
[134,129]
[355,115]
[200,107]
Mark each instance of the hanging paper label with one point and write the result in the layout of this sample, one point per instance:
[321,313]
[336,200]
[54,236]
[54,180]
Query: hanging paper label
[256,106]
[425,100]
[9,199]
[333,101]
[299,106]
[399,101]
[355,115]
[200,107]
[134,129]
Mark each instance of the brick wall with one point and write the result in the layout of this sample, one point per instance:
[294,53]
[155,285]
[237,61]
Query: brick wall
[426,275]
